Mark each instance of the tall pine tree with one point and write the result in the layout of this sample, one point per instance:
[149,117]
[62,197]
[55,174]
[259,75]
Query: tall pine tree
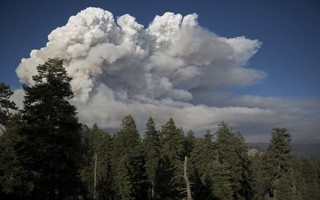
[277,160]
[203,161]
[96,163]
[128,163]
[48,143]
[233,164]
[171,162]
[6,139]
[152,149]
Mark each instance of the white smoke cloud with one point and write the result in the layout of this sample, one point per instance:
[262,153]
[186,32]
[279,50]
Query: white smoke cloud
[174,54]
[120,67]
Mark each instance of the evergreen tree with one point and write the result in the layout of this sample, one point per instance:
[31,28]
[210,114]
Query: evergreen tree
[96,170]
[152,156]
[310,178]
[124,180]
[173,142]
[13,178]
[284,189]
[41,149]
[128,162]
[48,142]
[6,140]
[203,161]
[259,176]
[189,142]
[5,105]
[171,163]
[234,163]
[296,179]
[277,159]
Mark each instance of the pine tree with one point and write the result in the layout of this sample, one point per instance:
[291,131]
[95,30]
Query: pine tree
[310,178]
[48,143]
[13,178]
[234,162]
[171,163]
[189,142]
[259,176]
[5,105]
[152,156]
[128,163]
[96,165]
[277,159]
[6,139]
[202,163]
[173,142]
[284,189]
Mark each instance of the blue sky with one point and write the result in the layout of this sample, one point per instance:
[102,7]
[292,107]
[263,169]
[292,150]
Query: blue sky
[288,30]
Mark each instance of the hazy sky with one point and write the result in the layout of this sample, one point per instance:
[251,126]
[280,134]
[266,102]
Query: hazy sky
[254,64]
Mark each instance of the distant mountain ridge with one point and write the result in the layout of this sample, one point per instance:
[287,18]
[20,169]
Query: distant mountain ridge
[300,150]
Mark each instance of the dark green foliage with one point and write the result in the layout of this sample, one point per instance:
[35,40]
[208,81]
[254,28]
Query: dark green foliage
[13,178]
[277,159]
[7,124]
[47,146]
[152,149]
[284,189]
[171,163]
[128,162]
[97,144]
[189,142]
[278,175]
[203,159]
[44,154]
[5,104]
[172,143]
[310,175]
[124,181]
[259,177]
[220,169]
[232,155]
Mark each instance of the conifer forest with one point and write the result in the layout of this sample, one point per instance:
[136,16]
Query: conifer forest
[47,154]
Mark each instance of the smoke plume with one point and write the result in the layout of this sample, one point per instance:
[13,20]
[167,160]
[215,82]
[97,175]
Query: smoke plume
[118,67]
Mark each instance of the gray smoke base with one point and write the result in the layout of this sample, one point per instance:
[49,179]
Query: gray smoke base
[120,67]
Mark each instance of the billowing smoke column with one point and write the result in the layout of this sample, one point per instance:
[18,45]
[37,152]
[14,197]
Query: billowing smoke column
[120,67]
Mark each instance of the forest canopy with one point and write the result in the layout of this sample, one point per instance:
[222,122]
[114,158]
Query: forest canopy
[45,153]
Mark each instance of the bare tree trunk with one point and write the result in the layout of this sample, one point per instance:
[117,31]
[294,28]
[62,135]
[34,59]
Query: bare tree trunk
[186,178]
[95,177]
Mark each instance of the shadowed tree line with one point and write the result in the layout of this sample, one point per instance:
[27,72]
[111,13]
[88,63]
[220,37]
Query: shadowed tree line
[45,153]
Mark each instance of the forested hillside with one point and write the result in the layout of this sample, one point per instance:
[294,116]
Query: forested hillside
[45,153]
